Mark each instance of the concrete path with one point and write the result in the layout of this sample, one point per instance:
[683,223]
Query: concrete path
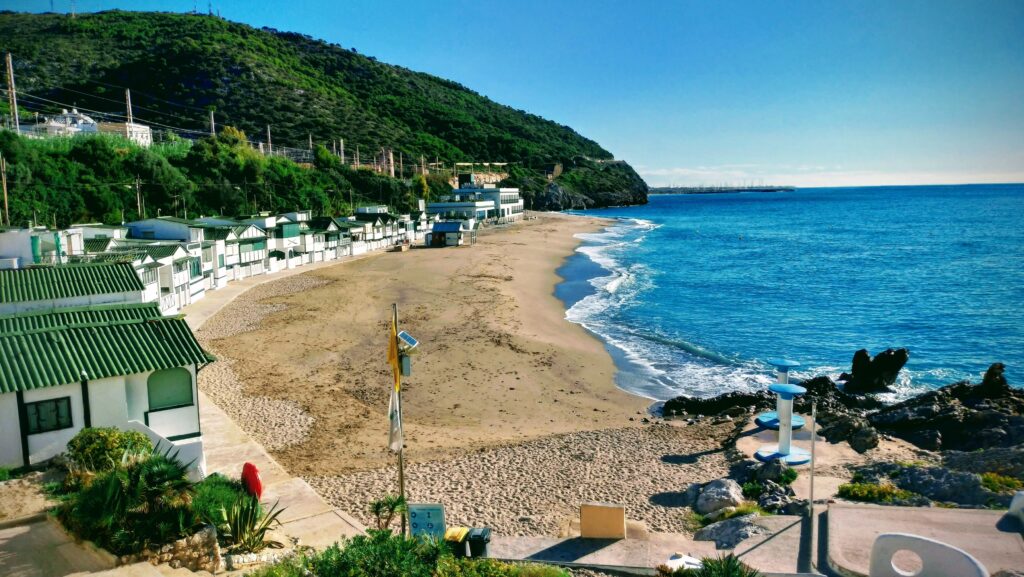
[306,517]
[227,447]
[989,536]
[42,549]
[775,553]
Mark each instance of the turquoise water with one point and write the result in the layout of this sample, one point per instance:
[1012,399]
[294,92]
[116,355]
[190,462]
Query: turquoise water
[693,293]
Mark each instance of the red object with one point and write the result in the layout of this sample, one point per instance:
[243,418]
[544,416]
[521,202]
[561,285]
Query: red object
[251,480]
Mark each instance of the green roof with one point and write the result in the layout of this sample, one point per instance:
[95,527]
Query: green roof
[97,244]
[216,232]
[76,316]
[67,281]
[51,349]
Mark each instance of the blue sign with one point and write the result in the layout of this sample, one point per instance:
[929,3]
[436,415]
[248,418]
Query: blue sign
[426,519]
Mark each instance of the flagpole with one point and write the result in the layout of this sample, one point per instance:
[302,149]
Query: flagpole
[401,450]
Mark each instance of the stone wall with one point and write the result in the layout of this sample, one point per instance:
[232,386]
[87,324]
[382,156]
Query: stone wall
[199,552]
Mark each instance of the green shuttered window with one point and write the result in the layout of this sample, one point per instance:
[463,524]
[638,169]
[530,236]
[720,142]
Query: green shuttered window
[169,388]
[48,415]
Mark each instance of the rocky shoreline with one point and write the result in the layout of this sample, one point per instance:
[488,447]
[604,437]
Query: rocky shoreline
[973,430]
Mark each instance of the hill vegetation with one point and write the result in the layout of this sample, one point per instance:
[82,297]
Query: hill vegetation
[181,66]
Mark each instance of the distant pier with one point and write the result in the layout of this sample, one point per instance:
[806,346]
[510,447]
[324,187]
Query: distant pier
[718,189]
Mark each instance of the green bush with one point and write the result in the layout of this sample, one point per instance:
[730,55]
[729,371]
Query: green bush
[379,554]
[726,566]
[144,502]
[744,509]
[101,449]
[1000,483]
[214,495]
[752,489]
[5,474]
[872,493]
[789,474]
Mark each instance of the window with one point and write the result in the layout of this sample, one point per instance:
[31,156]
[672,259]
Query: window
[220,261]
[196,268]
[49,415]
[169,388]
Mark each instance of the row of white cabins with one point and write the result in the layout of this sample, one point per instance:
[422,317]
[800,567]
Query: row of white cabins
[90,333]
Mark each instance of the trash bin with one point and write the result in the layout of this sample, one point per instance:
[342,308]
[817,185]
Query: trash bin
[456,537]
[478,538]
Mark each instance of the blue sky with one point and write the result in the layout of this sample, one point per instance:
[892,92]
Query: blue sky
[691,92]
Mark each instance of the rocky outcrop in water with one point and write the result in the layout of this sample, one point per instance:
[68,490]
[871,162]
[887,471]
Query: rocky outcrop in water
[874,375]
[961,416]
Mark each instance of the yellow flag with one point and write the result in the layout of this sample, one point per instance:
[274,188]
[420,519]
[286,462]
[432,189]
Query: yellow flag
[393,355]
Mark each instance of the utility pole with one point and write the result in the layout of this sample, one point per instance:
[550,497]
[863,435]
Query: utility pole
[213,127]
[357,156]
[3,177]
[311,141]
[12,94]
[270,148]
[398,391]
[391,161]
[138,196]
[128,102]
[401,172]
[343,151]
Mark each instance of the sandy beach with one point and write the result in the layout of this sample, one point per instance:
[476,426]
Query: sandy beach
[303,359]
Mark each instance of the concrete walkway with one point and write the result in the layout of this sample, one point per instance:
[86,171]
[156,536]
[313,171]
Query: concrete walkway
[775,553]
[42,549]
[306,517]
[989,536]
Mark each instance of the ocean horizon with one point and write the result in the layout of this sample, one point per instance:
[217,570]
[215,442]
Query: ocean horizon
[691,294]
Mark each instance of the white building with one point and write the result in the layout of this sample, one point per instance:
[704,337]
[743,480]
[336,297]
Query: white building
[21,247]
[121,365]
[462,206]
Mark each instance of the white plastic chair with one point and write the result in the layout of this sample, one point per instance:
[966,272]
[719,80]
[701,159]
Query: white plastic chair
[937,559]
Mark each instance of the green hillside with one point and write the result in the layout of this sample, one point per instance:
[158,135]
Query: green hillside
[181,66]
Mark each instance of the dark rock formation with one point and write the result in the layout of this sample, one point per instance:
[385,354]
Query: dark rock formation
[1002,460]
[758,401]
[874,375]
[853,429]
[727,534]
[936,483]
[960,416]
[774,496]
[556,197]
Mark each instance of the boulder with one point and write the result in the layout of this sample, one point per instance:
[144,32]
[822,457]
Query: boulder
[1002,460]
[874,375]
[936,484]
[724,403]
[770,471]
[774,497]
[729,533]
[855,430]
[796,507]
[718,494]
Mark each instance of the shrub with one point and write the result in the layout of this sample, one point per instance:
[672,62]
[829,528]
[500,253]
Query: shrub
[693,521]
[101,449]
[744,509]
[379,554]
[752,489]
[1000,483]
[5,474]
[214,495]
[288,567]
[143,502]
[789,474]
[727,566]
[245,526]
[872,493]
[386,508]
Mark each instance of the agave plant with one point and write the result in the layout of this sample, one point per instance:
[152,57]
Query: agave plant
[245,526]
[725,566]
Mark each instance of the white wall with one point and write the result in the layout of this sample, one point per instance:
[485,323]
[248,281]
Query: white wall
[108,406]
[48,445]
[10,441]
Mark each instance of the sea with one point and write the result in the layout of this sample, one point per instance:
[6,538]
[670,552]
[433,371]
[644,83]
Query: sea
[693,294]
